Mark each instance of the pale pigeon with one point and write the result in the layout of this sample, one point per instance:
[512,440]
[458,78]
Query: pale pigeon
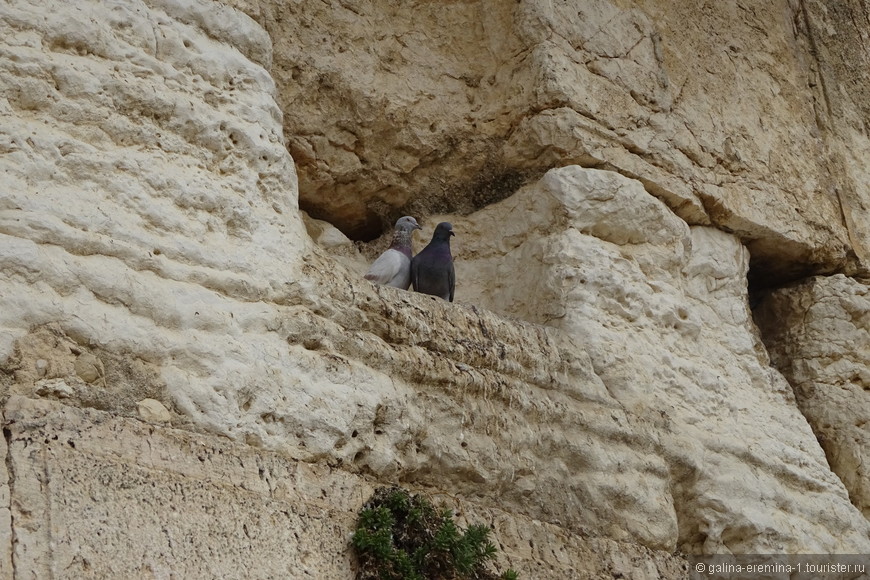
[393,267]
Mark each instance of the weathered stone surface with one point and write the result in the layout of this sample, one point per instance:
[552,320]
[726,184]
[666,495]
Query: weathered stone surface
[89,368]
[155,148]
[134,138]
[614,394]
[841,88]
[121,499]
[340,247]
[175,254]
[721,111]
[99,497]
[661,308]
[818,335]
[153,411]
[6,537]
[46,362]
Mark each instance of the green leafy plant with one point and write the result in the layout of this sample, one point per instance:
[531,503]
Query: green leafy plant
[400,536]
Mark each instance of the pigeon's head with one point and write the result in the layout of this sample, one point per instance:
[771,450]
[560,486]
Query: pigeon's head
[443,231]
[407,224]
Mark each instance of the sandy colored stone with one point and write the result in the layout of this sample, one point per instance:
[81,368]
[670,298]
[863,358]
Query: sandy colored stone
[45,355]
[841,86]
[185,139]
[162,499]
[55,388]
[599,377]
[339,246]
[153,411]
[744,116]
[662,311]
[123,499]
[89,368]
[818,335]
[48,363]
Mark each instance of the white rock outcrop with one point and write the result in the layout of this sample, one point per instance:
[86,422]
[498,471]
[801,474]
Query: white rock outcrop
[818,335]
[662,311]
[147,183]
[744,116]
[599,381]
[129,500]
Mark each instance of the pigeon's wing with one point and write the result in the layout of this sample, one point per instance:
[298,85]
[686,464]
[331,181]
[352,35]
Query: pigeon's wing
[386,267]
[402,279]
[414,270]
[451,279]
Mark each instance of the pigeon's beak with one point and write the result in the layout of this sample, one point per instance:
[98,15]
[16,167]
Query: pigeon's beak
[451,233]
[418,227]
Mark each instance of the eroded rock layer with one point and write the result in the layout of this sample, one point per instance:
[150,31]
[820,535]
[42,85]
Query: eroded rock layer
[661,309]
[732,114]
[818,334]
[81,473]
[600,377]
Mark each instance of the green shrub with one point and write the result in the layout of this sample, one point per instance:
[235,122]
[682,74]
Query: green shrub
[400,536]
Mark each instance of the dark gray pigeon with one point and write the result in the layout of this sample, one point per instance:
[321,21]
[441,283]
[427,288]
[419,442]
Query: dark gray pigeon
[393,267]
[432,269]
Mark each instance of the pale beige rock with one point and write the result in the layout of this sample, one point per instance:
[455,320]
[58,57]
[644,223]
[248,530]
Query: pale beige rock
[339,246]
[169,235]
[162,499]
[722,111]
[124,500]
[48,363]
[841,88]
[44,356]
[818,334]
[153,411]
[157,161]
[661,309]
[89,368]
[149,219]
[55,388]
[133,182]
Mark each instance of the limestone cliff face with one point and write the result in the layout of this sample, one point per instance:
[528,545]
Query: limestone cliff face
[818,336]
[743,116]
[177,337]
